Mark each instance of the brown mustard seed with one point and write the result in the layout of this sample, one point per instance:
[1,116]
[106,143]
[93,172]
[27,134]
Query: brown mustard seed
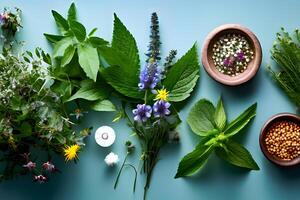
[283,140]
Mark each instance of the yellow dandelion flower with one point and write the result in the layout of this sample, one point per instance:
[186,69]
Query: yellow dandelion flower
[162,94]
[71,152]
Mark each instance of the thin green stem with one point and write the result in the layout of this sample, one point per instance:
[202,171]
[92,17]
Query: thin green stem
[119,174]
[135,178]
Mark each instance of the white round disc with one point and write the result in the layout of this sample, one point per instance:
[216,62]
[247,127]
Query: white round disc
[105,136]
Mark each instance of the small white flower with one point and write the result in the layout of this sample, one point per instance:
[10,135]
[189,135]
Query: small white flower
[105,136]
[111,159]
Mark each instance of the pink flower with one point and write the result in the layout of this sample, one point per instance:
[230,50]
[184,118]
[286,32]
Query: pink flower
[48,166]
[40,178]
[30,165]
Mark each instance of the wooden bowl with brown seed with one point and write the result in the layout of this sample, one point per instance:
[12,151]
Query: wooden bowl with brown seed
[280,139]
[223,64]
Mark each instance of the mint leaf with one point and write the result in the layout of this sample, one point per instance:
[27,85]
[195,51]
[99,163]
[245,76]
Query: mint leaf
[201,118]
[103,105]
[88,60]
[193,161]
[61,22]
[61,46]
[90,91]
[238,155]
[182,76]
[123,58]
[68,55]
[241,121]
[220,116]
[53,38]
[72,12]
[78,30]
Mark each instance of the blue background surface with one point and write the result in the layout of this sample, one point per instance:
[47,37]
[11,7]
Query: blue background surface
[182,23]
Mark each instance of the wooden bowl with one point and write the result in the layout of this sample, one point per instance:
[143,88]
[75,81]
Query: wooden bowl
[207,52]
[263,133]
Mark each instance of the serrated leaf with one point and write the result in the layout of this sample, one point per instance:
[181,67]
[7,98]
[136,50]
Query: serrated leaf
[241,121]
[90,91]
[61,22]
[72,12]
[53,38]
[88,60]
[68,55]
[97,42]
[237,155]
[61,46]
[182,76]
[220,115]
[78,30]
[103,105]
[201,118]
[124,62]
[194,160]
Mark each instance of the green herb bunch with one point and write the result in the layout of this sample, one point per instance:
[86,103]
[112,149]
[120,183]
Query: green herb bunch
[286,53]
[210,123]
[32,117]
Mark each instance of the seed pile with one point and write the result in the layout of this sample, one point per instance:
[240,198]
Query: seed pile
[283,140]
[231,54]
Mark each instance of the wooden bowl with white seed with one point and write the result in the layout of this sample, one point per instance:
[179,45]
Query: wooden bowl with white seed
[210,65]
[280,138]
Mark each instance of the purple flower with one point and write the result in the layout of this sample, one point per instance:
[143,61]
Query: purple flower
[150,76]
[161,108]
[30,165]
[229,61]
[142,112]
[3,17]
[240,56]
[48,166]
[40,178]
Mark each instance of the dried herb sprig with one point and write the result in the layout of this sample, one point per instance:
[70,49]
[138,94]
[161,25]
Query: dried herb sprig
[154,46]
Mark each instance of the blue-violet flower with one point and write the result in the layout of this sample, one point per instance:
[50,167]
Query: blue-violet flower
[161,108]
[142,112]
[150,76]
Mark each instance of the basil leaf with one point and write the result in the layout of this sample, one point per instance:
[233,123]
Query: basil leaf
[220,116]
[61,22]
[61,46]
[241,121]
[53,38]
[88,60]
[72,12]
[238,155]
[78,30]
[68,55]
[201,118]
[193,161]
[103,105]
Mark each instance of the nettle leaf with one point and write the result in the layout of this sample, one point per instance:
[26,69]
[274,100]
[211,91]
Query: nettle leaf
[53,38]
[61,22]
[123,58]
[78,30]
[195,160]
[201,118]
[182,76]
[220,116]
[103,105]
[61,46]
[72,12]
[241,121]
[88,60]
[238,155]
[68,55]
[90,91]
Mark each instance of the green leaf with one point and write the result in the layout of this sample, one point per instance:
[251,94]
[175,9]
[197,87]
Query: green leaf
[220,116]
[238,155]
[53,38]
[78,30]
[61,46]
[201,118]
[97,42]
[90,91]
[182,76]
[123,58]
[72,12]
[241,121]
[193,161]
[92,32]
[68,55]
[103,105]
[89,60]
[61,22]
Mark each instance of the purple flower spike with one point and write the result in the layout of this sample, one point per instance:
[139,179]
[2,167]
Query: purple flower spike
[48,166]
[161,108]
[142,112]
[150,76]
[40,179]
[229,61]
[240,56]
[30,165]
